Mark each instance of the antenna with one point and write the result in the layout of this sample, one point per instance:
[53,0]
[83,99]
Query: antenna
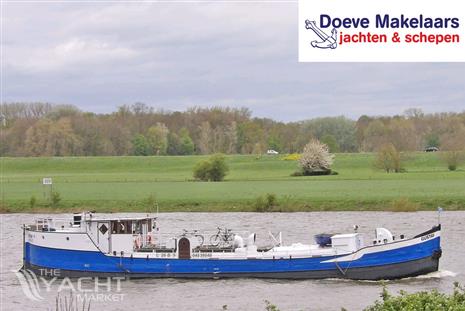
[439,214]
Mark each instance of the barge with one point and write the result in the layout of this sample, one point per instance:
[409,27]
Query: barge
[93,246]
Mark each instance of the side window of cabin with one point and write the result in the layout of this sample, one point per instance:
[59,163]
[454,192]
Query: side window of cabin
[121,227]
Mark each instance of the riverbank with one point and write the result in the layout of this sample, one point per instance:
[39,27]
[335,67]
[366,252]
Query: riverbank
[139,184]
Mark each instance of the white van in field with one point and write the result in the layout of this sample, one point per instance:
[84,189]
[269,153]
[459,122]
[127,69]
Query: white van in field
[272,152]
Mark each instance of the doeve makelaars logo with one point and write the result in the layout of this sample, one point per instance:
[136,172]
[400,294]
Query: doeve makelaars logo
[365,31]
[327,41]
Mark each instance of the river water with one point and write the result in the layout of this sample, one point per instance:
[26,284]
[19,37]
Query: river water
[247,294]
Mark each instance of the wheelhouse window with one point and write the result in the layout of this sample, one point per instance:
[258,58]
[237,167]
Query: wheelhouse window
[130,226]
[121,227]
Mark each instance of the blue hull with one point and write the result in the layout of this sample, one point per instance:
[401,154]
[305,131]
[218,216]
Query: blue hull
[400,262]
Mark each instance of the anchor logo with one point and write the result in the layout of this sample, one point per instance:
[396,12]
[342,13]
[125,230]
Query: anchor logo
[329,42]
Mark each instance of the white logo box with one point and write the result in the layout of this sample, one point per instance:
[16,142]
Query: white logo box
[310,10]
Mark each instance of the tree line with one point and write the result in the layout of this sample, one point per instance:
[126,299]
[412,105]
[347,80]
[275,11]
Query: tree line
[43,129]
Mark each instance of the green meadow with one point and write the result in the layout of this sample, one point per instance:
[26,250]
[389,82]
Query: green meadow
[113,184]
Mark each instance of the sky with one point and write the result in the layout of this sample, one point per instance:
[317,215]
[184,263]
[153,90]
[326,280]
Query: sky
[172,56]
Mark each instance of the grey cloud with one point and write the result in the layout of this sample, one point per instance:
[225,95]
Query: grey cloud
[172,56]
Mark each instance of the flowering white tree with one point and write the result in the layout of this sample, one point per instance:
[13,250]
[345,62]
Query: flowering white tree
[316,158]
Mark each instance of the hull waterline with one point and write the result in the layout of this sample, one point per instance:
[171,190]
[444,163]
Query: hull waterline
[386,272]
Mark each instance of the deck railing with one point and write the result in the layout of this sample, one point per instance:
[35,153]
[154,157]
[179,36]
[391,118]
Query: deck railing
[207,240]
[52,224]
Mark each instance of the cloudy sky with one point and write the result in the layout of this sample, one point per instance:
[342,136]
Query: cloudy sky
[171,56]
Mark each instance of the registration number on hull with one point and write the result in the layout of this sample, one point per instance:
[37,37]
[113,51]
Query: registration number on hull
[427,237]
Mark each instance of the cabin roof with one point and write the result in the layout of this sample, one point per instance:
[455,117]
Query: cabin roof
[346,235]
[101,219]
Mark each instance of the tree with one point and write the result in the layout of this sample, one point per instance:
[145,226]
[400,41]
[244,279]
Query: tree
[174,144]
[88,128]
[453,158]
[316,159]
[388,158]
[402,134]
[432,140]
[453,149]
[361,126]
[187,145]
[62,139]
[375,136]
[63,111]
[258,149]
[413,113]
[181,144]
[331,142]
[118,140]
[52,138]
[140,145]
[213,169]
[44,129]
[12,139]
[249,134]
[157,137]
[342,129]
[205,137]
[274,144]
[37,138]
[231,135]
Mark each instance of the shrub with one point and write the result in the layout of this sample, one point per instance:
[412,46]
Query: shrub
[270,307]
[291,157]
[4,209]
[151,202]
[404,205]
[218,167]
[452,158]
[213,169]
[300,173]
[56,198]
[32,202]
[316,159]
[266,203]
[201,170]
[453,149]
[423,300]
[388,159]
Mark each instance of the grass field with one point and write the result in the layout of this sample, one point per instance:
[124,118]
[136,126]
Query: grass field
[135,183]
